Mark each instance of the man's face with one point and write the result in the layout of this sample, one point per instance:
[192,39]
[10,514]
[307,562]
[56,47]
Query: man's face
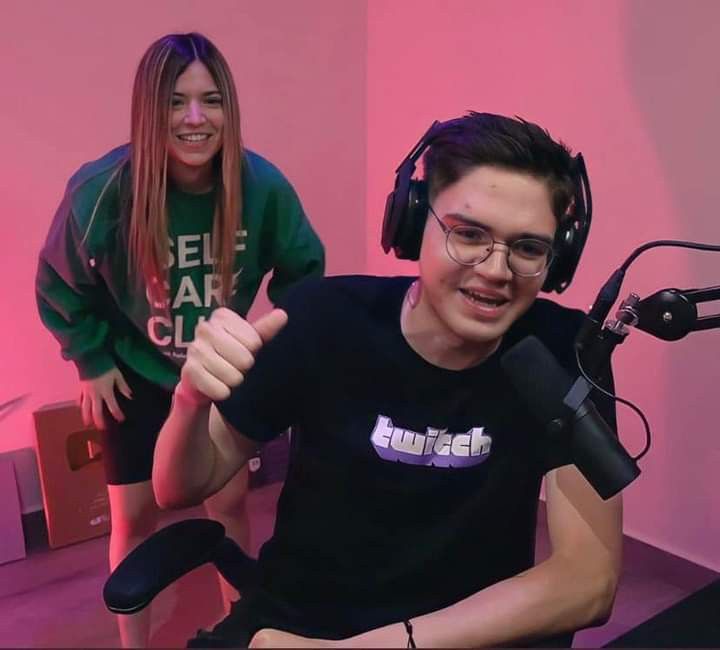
[477,304]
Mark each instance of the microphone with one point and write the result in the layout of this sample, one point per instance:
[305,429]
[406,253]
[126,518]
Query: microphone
[559,402]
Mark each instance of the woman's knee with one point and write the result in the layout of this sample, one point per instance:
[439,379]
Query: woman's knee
[133,510]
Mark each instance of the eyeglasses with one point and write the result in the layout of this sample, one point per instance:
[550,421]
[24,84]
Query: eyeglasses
[471,245]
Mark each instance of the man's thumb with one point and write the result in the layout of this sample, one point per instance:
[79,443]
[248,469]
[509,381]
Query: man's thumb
[269,325]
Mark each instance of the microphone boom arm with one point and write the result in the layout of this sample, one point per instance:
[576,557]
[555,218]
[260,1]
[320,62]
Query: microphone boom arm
[671,314]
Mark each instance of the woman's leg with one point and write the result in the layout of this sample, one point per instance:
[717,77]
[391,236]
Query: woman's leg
[128,454]
[229,507]
[134,516]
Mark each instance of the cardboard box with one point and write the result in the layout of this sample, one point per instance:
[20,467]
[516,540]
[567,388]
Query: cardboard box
[71,475]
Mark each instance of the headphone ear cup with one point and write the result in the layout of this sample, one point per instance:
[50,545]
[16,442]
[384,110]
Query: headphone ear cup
[412,226]
[562,247]
[569,244]
[572,233]
[404,222]
[406,206]
[396,208]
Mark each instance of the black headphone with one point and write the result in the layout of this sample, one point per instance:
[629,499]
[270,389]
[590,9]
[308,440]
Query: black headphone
[407,205]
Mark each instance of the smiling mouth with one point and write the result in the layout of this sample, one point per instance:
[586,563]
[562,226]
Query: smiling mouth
[193,137]
[483,300]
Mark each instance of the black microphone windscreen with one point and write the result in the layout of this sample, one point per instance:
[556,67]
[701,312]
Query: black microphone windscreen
[544,384]
[536,374]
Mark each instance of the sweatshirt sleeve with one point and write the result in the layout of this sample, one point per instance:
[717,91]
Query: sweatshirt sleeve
[297,251]
[68,293]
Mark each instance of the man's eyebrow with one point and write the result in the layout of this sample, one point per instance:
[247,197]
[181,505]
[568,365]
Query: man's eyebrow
[469,221]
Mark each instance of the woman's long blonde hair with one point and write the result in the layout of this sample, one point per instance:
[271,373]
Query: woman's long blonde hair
[148,248]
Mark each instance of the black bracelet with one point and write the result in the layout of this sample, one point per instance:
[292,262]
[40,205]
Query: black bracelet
[408,629]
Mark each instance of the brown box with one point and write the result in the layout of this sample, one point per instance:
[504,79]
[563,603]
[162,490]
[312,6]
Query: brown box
[71,475]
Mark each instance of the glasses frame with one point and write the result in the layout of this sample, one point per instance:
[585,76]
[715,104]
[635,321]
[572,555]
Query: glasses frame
[449,229]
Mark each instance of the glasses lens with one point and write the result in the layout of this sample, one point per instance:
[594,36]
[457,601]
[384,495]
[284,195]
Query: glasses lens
[469,244]
[529,257]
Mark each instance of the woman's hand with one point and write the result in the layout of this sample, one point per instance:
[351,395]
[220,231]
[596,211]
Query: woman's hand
[99,391]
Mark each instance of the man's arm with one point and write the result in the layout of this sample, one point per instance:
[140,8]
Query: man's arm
[573,588]
[197,452]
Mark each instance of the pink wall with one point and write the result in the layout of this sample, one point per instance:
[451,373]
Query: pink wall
[67,70]
[634,86]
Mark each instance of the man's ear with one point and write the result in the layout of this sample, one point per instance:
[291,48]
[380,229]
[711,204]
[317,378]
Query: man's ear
[414,293]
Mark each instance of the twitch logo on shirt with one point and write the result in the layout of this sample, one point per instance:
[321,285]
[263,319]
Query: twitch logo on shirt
[435,447]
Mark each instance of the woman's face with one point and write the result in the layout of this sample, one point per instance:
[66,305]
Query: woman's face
[196,121]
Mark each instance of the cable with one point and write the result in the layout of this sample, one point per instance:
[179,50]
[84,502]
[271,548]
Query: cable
[665,242]
[648,437]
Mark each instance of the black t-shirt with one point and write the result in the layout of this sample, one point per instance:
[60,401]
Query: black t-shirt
[410,486]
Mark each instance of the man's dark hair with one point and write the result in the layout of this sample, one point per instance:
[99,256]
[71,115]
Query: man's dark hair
[514,144]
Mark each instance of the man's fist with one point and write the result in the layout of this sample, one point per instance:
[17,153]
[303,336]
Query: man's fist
[223,351]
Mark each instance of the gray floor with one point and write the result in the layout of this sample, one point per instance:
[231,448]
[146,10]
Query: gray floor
[52,598]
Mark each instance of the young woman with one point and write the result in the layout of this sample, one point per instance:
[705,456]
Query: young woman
[148,240]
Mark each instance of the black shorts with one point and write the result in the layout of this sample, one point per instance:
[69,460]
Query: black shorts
[128,446]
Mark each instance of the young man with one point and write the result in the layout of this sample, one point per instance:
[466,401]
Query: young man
[412,491]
